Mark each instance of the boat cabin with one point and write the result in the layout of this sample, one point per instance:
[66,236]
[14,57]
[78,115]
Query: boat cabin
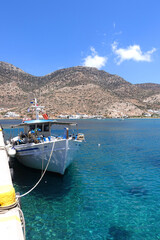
[38,127]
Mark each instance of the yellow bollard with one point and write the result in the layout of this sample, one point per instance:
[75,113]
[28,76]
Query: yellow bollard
[7,195]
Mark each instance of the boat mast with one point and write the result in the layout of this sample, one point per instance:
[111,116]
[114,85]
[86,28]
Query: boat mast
[37,109]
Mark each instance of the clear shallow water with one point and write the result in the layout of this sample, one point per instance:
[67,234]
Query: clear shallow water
[110,192]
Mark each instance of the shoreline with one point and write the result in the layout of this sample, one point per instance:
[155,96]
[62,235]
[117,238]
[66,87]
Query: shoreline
[88,118]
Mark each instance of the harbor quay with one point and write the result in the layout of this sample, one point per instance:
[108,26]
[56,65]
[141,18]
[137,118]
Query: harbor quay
[11,216]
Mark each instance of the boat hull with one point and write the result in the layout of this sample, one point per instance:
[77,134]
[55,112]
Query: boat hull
[37,155]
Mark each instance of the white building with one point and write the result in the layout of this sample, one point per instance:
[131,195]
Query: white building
[11,114]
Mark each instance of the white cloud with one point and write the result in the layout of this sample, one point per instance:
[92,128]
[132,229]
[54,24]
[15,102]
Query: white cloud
[94,60]
[93,51]
[131,53]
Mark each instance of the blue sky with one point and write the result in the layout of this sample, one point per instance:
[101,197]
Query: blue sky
[119,36]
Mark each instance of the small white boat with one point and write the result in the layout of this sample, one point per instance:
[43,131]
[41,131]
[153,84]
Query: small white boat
[37,148]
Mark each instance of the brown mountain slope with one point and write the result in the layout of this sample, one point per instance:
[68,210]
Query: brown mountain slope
[152,99]
[76,89]
[149,86]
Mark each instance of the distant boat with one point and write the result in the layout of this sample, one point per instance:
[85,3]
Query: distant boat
[35,146]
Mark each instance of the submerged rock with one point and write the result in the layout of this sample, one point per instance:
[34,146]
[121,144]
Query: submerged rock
[118,233]
[138,191]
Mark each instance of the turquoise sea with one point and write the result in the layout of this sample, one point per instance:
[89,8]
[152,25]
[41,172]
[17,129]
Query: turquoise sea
[110,192]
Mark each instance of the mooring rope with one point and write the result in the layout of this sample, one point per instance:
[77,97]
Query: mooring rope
[15,205]
[22,221]
[19,196]
[4,209]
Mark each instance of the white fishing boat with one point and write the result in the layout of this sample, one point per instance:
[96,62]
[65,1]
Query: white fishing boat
[35,147]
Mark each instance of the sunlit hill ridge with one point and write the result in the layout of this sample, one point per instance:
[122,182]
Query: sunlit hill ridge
[82,90]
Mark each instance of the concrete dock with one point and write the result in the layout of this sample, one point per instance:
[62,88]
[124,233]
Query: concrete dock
[11,216]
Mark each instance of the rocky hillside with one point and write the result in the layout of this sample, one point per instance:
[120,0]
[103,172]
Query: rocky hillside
[76,90]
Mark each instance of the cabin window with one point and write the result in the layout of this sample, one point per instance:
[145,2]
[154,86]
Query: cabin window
[39,126]
[31,127]
[46,127]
